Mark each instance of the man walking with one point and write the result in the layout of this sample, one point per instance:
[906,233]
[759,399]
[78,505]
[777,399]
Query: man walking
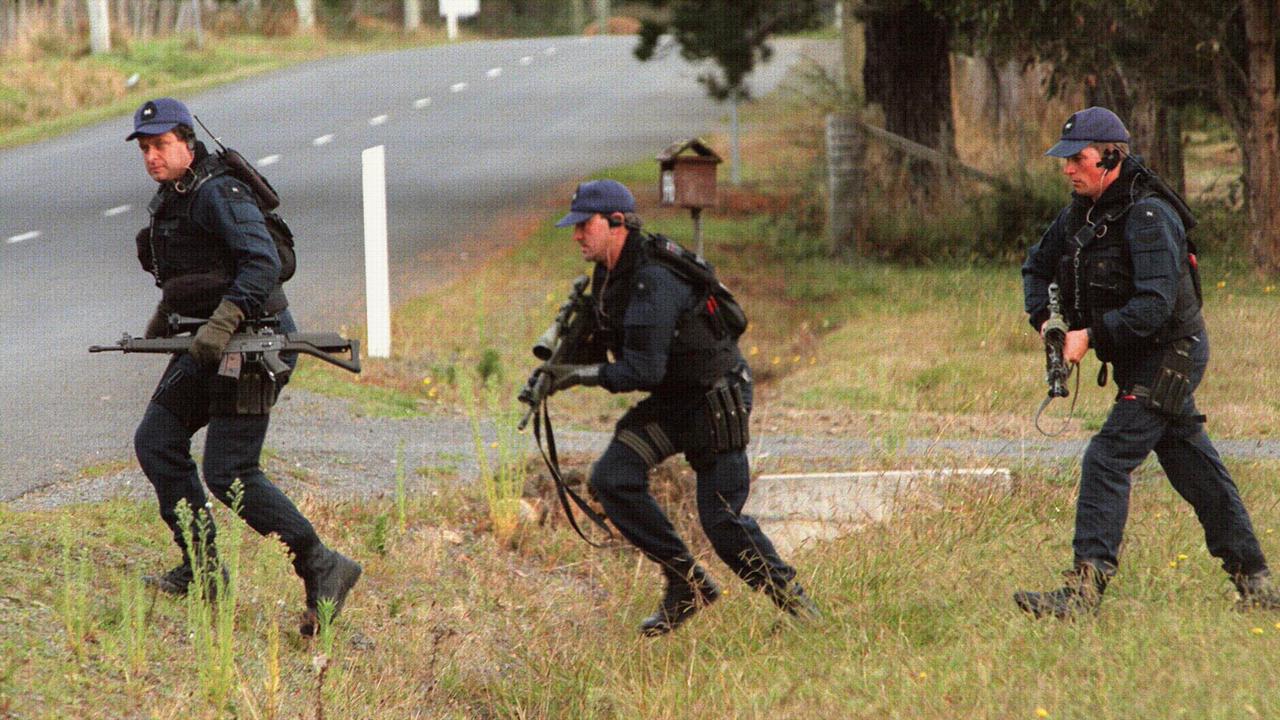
[212,257]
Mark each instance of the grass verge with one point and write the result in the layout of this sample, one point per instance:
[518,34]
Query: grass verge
[450,622]
[48,92]
[849,347]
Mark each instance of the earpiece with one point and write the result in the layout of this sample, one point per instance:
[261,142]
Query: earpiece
[1110,159]
[613,221]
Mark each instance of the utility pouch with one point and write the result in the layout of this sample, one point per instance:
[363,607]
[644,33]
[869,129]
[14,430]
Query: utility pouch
[727,418]
[252,393]
[255,393]
[1172,384]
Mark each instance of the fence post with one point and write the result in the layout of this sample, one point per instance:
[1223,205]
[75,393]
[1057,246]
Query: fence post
[99,27]
[846,180]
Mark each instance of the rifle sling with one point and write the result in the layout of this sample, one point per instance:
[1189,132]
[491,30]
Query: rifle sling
[563,491]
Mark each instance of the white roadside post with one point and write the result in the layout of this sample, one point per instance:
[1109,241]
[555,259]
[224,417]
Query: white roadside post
[99,26]
[454,9]
[377,281]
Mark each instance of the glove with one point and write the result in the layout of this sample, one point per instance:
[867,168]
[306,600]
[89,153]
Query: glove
[567,376]
[158,325]
[211,339]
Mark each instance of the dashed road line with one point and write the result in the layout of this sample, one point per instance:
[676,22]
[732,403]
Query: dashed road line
[377,120]
[526,59]
[268,160]
[494,72]
[550,51]
[421,102]
[117,210]
[14,239]
[458,87]
[323,140]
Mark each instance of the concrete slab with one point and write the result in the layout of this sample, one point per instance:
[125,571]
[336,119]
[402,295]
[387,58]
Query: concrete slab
[797,509]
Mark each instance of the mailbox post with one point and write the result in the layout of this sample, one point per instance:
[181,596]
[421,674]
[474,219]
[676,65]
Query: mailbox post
[687,178]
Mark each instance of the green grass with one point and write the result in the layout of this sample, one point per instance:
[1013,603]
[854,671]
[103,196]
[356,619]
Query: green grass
[447,622]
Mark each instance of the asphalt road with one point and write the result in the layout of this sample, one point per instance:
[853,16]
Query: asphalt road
[471,131]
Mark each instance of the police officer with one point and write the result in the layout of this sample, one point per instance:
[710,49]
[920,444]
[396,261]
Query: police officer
[655,324]
[212,257]
[1120,255]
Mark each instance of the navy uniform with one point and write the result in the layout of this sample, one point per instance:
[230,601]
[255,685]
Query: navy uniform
[1127,276]
[212,256]
[648,318]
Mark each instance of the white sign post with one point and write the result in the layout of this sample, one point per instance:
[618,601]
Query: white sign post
[377,283]
[454,9]
[99,27]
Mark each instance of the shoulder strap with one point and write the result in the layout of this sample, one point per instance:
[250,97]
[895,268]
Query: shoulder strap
[687,265]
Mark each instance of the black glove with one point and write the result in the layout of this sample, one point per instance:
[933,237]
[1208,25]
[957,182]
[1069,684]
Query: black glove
[158,325]
[211,339]
[567,376]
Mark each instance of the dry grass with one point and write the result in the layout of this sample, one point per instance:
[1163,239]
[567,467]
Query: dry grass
[449,623]
[49,84]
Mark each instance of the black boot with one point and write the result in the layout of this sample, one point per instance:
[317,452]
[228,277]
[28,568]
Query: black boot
[1082,594]
[180,580]
[794,601]
[326,575]
[686,595]
[1256,592]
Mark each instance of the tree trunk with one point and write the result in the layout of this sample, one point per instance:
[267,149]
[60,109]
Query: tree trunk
[1262,141]
[908,72]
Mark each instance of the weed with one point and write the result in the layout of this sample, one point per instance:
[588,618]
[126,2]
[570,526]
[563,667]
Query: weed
[401,498]
[504,484]
[73,603]
[489,366]
[377,540]
[133,625]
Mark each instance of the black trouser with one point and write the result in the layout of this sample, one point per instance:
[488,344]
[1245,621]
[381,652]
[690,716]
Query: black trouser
[233,444]
[620,480]
[1193,467]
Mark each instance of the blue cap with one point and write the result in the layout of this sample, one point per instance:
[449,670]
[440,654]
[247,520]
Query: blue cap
[1095,124]
[159,116]
[598,196]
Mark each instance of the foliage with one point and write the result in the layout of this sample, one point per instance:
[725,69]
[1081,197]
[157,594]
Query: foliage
[732,33]
[1125,42]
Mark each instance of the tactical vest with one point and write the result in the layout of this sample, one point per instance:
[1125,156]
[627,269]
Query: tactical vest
[701,352]
[192,267]
[1095,274]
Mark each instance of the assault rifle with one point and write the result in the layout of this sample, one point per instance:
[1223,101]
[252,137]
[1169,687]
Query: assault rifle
[1057,370]
[257,341]
[556,346]
[559,345]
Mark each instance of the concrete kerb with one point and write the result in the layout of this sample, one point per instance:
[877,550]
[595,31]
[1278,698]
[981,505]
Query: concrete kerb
[798,508]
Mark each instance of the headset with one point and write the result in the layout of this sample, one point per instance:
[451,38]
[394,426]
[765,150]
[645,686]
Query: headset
[613,222]
[1110,159]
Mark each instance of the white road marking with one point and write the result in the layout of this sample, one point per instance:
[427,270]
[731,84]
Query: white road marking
[377,120]
[526,59]
[458,87]
[23,237]
[117,210]
[551,50]
[268,160]
[421,102]
[323,140]
[494,72]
